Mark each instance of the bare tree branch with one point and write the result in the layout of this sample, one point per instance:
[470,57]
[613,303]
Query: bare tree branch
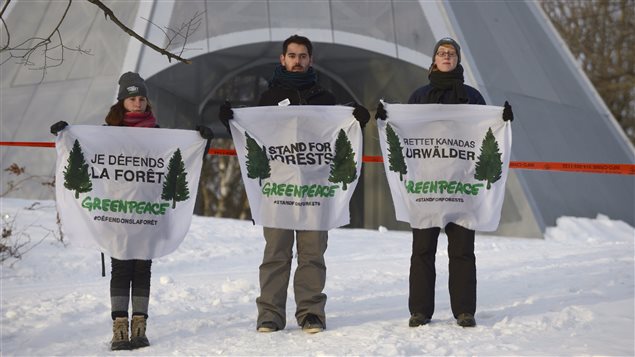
[43,53]
[183,32]
[6,5]
[601,36]
[16,170]
[4,24]
[16,241]
[109,14]
[41,44]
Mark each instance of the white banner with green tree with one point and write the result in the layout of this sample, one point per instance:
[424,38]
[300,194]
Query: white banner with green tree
[300,164]
[128,192]
[446,163]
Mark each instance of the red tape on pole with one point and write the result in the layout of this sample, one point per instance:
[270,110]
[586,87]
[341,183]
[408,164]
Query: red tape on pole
[27,144]
[616,169]
[594,168]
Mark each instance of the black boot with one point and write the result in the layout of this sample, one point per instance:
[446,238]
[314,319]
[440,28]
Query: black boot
[466,320]
[312,324]
[418,319]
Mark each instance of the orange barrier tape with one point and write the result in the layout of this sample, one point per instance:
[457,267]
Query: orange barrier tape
[27,144]
[614,169]
[372,159]
[224,152]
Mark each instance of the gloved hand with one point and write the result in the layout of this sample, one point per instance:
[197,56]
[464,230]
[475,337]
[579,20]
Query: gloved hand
[57,127]
[508,115]
[225,113]
[381,112]
[206,133]
[361,114]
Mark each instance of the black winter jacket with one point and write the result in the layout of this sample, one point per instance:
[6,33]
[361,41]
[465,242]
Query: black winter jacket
[420,96]
[310,95]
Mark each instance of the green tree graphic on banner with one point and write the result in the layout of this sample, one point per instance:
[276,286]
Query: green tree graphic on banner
[343,166]
[395,153]
[489,165]
[257,161]
[76,177]
[175,184]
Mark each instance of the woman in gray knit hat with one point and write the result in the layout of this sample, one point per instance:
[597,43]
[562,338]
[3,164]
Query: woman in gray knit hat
[131,277]
[132,107]
[446,87]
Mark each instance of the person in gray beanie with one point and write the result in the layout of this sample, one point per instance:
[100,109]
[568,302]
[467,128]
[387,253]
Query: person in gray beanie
[131,85]
[446,87]
[446,78]
[447,41]
[130,278]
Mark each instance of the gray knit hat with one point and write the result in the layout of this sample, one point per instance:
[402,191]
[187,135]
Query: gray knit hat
[131,85]
[447,41]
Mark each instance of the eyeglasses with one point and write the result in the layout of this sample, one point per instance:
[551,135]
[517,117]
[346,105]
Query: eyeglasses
[446,54]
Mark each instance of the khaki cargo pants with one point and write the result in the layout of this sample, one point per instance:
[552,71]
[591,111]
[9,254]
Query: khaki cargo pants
[308,281]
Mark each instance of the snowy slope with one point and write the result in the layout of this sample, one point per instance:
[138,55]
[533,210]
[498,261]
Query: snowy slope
[569,294]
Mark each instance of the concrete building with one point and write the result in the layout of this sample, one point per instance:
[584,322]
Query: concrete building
[364,51]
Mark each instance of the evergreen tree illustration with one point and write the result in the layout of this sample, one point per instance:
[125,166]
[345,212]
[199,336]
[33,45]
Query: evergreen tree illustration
[396,160]
[257,161]
[489,165]
[76,177]
[343,166]
[175,184]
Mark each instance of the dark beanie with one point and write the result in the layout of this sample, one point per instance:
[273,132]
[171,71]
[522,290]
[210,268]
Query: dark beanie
[131,85]
[447,41]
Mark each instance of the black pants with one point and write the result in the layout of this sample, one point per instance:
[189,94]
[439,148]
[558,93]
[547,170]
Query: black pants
[462,269]
[127,274]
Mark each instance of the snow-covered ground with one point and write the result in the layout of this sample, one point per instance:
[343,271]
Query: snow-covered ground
[569,294]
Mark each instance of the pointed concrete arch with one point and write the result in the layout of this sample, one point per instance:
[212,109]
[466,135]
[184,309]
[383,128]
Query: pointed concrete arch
[510,50]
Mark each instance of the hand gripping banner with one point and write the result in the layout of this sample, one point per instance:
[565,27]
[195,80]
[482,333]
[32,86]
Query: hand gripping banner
[300,164]
[446,163]
[129,192]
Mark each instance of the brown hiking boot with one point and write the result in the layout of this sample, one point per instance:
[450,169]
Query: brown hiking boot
[138,337]
[120,334]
